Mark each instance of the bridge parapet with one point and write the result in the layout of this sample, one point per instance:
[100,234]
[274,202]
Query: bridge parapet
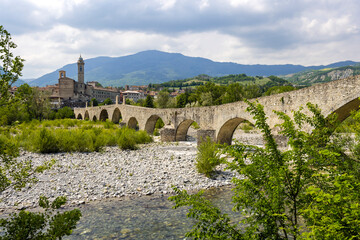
[220,122]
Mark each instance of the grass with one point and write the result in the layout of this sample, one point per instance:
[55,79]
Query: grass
[71,135]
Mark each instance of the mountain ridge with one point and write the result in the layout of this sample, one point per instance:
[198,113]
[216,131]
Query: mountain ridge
[153,66]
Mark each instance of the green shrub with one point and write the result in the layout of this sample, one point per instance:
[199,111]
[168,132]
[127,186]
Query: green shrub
[99,141]
[8,148]
[156,132]
[84,142]
[127,141]
[207,157]
[66,139]
[142,137]
[45,141]
[246,127]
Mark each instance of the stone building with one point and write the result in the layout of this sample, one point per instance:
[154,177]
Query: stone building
[70,91]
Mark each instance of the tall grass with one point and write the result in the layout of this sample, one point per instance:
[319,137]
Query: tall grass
[77,136]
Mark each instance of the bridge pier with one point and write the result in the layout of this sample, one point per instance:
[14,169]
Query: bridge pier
[202,134]
[167,134]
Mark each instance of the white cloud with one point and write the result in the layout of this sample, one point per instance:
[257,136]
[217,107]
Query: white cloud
[52,33]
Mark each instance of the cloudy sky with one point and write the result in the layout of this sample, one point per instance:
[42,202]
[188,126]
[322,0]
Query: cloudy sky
[52,33]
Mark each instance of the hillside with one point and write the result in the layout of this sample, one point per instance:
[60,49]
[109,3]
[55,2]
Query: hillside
[156,67]
[323,75]
[242,79]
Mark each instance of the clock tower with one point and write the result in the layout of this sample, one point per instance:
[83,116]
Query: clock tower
[80,64]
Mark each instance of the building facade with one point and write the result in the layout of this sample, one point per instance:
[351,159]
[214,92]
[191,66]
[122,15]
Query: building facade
[70,91]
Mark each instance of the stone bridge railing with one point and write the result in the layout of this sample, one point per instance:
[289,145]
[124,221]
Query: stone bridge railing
[220,122]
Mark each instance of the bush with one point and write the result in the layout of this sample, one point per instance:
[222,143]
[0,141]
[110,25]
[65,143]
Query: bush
[45,141]
[84,142]
[142,137]
[207,157]
[126,141]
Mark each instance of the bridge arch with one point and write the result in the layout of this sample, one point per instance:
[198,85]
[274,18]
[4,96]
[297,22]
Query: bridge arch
[86,116]
[227,130]
[133,123]
[103,115]
[344,110]
[79,116]
[151,123]
[182,129]
[116,116]
[94,118]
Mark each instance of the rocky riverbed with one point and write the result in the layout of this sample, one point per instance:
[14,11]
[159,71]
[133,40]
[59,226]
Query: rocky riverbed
[85,177]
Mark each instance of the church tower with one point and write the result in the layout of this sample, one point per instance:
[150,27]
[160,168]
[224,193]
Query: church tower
[80,64]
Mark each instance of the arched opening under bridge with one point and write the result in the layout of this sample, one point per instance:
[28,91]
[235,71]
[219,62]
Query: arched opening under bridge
[86,117]
[116,117]
[79,116]
[133,123]
[94,118]
[153,122]
[103,115]
[187,130]
[227,130]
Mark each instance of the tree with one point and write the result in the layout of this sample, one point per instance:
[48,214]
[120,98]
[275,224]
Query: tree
[65,112]
[107,102]
[39,104]
[286,195]
[16,174]
[149,102]
[10,68]
[181,100]
[94,102]
[162,99]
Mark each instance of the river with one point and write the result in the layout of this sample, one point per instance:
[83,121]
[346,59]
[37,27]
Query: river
[146,217]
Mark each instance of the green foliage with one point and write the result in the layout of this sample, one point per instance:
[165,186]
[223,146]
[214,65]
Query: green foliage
[28,103]
[149,102]
[72,135]
[334,213]
[207,157]
[50,224]
[210,222]
[163,98]
[246,126]
[308,191]
[16,173]
[94,102]
[182,100]
[107,102]
[10,66]
[45,141]
[129,138]
[62,113]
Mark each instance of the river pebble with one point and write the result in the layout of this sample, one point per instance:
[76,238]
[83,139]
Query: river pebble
[114,173]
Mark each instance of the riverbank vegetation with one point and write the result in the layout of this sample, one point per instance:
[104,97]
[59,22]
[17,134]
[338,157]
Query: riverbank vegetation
[16,174]
[208,157]
[71,135]
[310,191]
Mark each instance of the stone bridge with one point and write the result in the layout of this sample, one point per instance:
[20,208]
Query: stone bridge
[220,122]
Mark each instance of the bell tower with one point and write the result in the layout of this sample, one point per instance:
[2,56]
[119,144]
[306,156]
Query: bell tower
[80,64]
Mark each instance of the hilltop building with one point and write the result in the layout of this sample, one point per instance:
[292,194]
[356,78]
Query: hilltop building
[73,93]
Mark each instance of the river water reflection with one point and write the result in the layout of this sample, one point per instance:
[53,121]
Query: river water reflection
[142,218]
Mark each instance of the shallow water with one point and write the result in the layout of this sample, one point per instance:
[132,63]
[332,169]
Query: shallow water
[142,218]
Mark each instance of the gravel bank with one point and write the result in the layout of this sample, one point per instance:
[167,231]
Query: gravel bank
[84,177]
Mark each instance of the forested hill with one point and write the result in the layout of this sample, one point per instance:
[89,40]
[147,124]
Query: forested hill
[242,79]
[157,67]
[310,77]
